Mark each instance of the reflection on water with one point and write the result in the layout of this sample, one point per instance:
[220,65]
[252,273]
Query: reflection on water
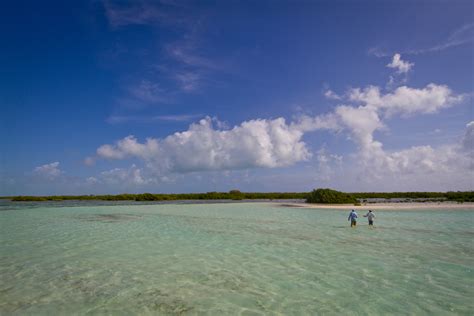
[246,258]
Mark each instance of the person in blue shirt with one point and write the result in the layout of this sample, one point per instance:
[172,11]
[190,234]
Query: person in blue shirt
[353,218]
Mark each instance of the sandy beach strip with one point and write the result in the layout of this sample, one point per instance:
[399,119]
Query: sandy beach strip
[386,206]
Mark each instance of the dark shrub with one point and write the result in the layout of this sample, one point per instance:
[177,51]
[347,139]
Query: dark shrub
[328,196]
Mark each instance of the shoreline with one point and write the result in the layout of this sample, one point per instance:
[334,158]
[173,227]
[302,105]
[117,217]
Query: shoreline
[291,203]
[385,206]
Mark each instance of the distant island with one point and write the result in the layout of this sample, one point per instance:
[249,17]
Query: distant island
[320,196]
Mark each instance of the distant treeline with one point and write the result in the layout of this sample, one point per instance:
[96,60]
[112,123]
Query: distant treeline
[467,196]
[231,195]
[458,196]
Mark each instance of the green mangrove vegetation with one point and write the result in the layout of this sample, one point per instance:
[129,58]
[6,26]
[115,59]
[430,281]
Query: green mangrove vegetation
[328,196]
[231,195]
[458,196]
[316,196]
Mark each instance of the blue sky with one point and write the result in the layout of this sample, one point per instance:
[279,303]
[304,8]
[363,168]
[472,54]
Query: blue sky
[179,96]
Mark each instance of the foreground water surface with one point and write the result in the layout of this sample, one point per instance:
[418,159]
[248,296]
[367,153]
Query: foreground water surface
[242,258]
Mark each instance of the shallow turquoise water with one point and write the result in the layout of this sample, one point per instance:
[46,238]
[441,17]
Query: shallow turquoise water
[244,258]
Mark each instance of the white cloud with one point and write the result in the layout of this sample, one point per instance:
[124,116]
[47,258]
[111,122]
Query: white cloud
[407,101]
[415,162]
[421,166]
[328,121]
[265,143]
[109,152]
[401,66]
[129,147]
[92,180]
[124,177]
[49,171]
[362,121]
[255,143]
[274,143]
[372,167]
[370,107]
[329,94]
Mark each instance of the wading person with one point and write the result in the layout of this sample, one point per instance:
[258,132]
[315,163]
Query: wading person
[370,216]
[353,218]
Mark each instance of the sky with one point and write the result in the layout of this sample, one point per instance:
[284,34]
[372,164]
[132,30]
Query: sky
[170,96]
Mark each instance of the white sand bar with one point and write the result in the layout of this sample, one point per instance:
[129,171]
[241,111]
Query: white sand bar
[387,206]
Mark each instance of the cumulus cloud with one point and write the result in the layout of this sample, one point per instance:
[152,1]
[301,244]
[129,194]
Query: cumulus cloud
[403,169]
[400,65]
[366,112]
[129,147]
[49,171]
[418,161]
[369,106]
[362,121]
[405,100]
[271,143]
[422,160]
[124,177]
[416,168]
[255,143]
[275,143]
[329,121]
